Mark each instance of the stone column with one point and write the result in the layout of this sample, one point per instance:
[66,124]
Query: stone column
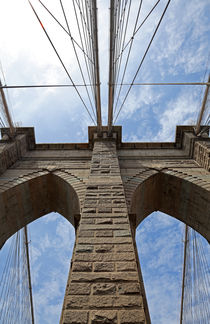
[105,283]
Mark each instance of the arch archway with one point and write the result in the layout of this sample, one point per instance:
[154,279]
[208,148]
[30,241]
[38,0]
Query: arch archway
[25,201]
[175,196]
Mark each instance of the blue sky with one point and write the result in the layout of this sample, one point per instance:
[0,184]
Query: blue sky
[179,53]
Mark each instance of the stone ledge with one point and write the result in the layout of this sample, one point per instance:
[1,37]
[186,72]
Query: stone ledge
[27,131]
[94,136]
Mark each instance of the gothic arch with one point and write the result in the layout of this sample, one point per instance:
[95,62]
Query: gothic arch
[175,194]
[25,199]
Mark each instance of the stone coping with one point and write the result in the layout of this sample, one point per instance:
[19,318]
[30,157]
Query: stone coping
[93,136]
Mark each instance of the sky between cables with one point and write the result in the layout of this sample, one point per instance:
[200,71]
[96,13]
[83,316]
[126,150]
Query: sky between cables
[178,53]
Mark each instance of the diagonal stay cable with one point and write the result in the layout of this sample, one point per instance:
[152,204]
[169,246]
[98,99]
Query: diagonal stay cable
[87,13]
[117,34]
[142,60]
[88,67]
[77,58]
[82,17]
[128,56]
[72,38]
[120,26]
[123,42]
[61,62]
[119,29]
[142,23]
[87,37]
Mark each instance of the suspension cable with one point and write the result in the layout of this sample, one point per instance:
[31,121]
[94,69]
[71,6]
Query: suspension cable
[96,64]
[72,38]
[148,47]
[128,55]
[61,61]
[77,58]
[203,107]
[87,63]
[138,28]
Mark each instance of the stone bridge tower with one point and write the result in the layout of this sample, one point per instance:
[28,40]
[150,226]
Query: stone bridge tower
[105,188]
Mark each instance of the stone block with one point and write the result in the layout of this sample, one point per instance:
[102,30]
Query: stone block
[132,317]
[82,266]
[75,317]
[104,248]
[120,220]
[103,267]
[79,289]
[87,221]
[93,277]
[126,266]
[124,248]
[104,209]
[104,257]
[86,233]
[104,289]
[122,233]
[106,233]
[128,301]
[89,210]
[84,248]
[103,317]
[103,221]
[103,240]
[124,277]
[128,289]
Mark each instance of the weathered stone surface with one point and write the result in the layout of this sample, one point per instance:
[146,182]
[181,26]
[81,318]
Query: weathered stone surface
[103,317]
[103,267]
[122,233]
[104,289]
[79,289]
[75,317]
[124,248]
[104,248]
[82,266]
[84,248]
[126,266]
[106,233]
[104,221]
[132,317]
[127,289]
[105,257]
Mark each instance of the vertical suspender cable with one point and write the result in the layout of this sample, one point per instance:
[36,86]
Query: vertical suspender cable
[29,275]
[6,109]
[198,125]
[184,273]
[96,61]
[111,71]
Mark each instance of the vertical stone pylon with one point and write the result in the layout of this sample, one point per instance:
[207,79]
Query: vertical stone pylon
[105,283]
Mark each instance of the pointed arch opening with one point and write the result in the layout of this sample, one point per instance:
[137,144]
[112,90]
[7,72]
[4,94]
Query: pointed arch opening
[160,245]
[50,241]
[174,196]
[23,203]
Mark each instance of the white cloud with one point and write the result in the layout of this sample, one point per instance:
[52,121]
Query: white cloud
[178,112]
